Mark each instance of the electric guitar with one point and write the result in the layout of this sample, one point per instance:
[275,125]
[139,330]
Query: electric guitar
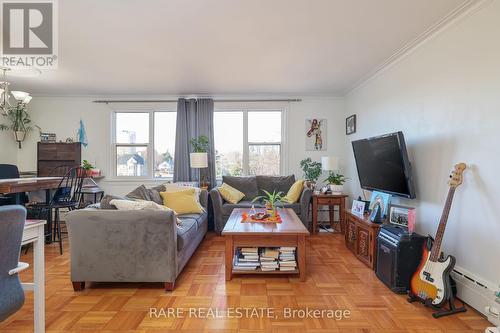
[431,282]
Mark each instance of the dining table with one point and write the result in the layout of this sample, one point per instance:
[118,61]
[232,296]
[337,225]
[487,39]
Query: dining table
[17,186]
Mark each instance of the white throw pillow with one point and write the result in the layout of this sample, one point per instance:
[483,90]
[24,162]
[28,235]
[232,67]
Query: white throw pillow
[136,205]
[140,205]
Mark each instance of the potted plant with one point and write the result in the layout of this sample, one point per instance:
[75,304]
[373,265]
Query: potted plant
[19,122]
[271,201]
[336,182]
[312,171]
[87,167]
[199,157]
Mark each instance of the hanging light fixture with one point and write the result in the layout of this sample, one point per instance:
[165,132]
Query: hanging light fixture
[21,98]
[13,103]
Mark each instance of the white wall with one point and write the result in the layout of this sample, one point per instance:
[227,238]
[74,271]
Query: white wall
[445,97]
[61,115]
[8,148]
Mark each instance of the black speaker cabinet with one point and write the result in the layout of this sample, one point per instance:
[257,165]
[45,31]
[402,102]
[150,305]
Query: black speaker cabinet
[398,256]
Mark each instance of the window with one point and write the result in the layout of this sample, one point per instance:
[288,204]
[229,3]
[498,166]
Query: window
[141,152]
[165,123]
[248,142]
[264,143]
[228,140]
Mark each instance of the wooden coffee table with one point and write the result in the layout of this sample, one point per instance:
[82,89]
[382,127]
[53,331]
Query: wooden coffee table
[291,232]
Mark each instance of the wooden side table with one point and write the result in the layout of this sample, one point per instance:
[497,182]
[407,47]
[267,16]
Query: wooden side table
[330,200]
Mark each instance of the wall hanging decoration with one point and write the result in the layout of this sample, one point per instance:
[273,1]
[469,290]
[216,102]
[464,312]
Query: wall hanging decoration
[82,134]
[316,131]
[350,125]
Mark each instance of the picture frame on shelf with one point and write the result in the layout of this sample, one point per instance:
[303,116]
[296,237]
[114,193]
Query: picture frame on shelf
[358,207]
[381,200]
[350,125]
[403,216]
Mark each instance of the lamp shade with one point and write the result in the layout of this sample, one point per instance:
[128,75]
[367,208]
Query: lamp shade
[20,95]
[329,163]
[27,99]
[198,160]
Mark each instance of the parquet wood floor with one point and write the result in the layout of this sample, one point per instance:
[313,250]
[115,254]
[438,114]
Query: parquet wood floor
[335,280]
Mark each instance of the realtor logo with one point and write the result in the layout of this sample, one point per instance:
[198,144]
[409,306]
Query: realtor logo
[29,33]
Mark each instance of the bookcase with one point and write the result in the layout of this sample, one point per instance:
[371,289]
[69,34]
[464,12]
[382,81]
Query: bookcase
[52,155]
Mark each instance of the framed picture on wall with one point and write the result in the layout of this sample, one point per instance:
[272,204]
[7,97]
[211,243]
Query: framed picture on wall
[350,125]
[316,134]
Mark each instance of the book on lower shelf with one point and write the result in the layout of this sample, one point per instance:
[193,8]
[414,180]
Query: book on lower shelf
[246,259]
[265,259]
[287,258]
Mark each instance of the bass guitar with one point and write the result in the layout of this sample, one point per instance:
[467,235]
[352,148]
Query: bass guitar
[431,282]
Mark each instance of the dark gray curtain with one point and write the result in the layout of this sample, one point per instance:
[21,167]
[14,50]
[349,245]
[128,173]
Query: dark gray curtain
[194,118]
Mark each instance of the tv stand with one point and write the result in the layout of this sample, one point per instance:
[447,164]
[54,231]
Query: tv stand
[361,238]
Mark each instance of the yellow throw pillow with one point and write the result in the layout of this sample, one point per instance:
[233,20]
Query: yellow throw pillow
[182,202]
[294,192]
[230,194]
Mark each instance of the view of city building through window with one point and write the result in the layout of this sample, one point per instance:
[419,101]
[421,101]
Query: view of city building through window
[247,142]
[133,142]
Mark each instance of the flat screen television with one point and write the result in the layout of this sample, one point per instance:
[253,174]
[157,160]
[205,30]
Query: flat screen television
[383,165]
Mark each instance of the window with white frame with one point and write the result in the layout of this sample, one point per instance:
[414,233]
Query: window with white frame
[144,143]
[248,142]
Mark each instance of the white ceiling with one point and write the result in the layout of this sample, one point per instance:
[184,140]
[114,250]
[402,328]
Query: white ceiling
[228,46]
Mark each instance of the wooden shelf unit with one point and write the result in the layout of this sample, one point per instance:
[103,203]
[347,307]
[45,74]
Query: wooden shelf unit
[361,238]
[53,155]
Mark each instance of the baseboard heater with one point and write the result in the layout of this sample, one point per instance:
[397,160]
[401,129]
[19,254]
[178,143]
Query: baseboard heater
[478,293]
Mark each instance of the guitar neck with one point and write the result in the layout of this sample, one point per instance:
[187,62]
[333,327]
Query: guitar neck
[436,247]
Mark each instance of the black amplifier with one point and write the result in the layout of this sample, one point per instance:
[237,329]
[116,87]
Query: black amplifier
[398,256]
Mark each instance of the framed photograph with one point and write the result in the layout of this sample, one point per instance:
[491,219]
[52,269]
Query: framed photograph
[381,200]
[402,216]
[316,134]
[358,207]
[350,125]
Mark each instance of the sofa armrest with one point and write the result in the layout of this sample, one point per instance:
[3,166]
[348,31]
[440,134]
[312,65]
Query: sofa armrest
[204,198]
[305,200]
[217,203]
[131,246]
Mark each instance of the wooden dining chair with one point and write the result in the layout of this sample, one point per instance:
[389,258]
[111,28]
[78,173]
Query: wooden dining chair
[67,196]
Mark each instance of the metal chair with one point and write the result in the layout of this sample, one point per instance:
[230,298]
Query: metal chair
[67,195]
[12,220]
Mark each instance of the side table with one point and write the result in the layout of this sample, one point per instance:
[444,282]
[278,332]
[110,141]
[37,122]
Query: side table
[330,200]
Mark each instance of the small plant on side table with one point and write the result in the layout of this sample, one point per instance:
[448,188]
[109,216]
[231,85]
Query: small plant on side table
[336,182]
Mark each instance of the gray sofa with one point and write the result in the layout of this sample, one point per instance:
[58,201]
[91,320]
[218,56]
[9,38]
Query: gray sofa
[252,187]
[108,245]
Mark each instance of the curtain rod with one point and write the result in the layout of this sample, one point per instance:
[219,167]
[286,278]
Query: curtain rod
[215,100]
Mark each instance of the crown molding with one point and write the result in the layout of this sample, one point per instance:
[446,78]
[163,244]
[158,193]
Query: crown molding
[465,9]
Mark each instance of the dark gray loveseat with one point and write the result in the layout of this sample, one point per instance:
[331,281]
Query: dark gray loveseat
[252,187]
[109,245]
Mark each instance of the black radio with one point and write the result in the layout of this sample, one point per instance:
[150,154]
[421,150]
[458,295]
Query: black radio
[398,256]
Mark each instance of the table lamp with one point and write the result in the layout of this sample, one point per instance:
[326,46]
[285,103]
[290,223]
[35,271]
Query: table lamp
[199,161]
[331,164]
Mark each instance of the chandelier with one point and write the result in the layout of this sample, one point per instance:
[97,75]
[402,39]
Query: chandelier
[21,98]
